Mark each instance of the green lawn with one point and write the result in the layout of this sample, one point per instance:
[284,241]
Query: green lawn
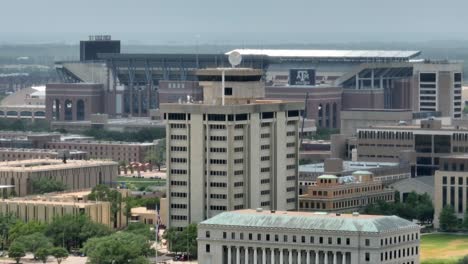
[140,183]
[443,248]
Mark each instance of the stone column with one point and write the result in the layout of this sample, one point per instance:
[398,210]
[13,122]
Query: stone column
[290,256]
[325,260]
[237,255]
[246,255]
[255,255]
[272,256]
[307,257]
[299,253]
[229,255]
[263,255]
[335,257]
[317,257]
[281,256]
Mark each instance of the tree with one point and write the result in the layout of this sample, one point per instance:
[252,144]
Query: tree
[465,220]
[6,222]
[33,242]
[182,241]
[447,219]
[16,251]
[157,156]
[46,185]
[42,254]
[141,229]
[118,248]
[71,231]
[59,254]
[104,193]
[463,260]
[21,228]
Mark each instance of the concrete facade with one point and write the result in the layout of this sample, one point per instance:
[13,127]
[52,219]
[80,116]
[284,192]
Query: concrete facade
[10,154]
[74,174]
[266,237]
[323,105]
[359,118]
[117,151]
[451,186]
[243,154]
[45,208]
[438,87]
[430,141]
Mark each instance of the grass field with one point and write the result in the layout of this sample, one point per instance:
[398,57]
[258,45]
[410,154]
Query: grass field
[443,248]
[140,183]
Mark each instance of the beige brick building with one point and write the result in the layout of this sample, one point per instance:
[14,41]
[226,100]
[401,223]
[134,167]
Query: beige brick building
[280,237]
[243,154]
[76,174]
[117,151]
[10,154]
[344,194]
[44,208]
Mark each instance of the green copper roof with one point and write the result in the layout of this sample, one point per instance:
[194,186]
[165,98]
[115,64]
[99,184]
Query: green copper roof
[310,221]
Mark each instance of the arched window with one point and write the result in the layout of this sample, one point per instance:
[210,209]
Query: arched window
[335,114]
[320,115]
[56,109]
[68,110]
[80,110]
[327,115]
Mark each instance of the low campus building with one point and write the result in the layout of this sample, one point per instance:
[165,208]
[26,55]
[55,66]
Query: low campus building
[280,237]
[344,194]
[26,154]
[44,208]
[75,174]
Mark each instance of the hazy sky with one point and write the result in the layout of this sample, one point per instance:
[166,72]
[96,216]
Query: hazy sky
[242,21]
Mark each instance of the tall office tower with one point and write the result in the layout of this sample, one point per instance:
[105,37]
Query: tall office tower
[439,84]
[232,150]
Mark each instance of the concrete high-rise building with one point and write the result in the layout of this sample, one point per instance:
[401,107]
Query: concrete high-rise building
[439,86]
[242,153]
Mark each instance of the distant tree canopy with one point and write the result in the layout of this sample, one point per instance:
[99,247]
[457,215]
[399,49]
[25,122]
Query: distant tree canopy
[24,125]
[46,185]
[416,206]
[157,156]
[142,135]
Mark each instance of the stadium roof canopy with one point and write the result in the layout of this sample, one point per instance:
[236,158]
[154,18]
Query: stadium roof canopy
[332,54]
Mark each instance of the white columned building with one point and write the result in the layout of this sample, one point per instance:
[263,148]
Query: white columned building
[281,237]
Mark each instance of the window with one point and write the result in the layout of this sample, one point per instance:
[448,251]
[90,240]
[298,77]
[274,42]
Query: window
[207,234]
[367,242]
[250,236]
[259,237]
[347,241]
[367,256]
[330,241]
[228,91]
[207,248]
[224,235]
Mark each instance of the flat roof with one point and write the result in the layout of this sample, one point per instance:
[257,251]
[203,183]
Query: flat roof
[310,221]
[49,164]
[348,166]
[337,54]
